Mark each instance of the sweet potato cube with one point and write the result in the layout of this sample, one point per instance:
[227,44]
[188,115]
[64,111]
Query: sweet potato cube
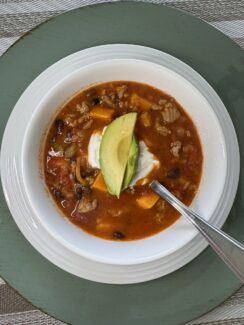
[147,201]
[146,119]
[102,113]
[136,100]
[99,183]
[104,227]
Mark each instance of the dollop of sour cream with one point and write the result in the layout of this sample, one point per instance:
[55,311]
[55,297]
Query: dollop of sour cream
[146,160]
[146,163]
[93,149]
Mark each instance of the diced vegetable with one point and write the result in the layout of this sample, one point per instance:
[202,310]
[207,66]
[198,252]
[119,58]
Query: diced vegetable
[102,113]
[99,183]
[79,178]
[136,100]
[70,151]
[118,235]
[57,146]
[104,226]
[147,201]
[146,119]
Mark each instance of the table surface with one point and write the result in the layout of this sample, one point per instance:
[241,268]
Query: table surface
[18,17]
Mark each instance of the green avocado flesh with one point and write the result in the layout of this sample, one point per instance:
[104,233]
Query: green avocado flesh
[114,151]
[132,163]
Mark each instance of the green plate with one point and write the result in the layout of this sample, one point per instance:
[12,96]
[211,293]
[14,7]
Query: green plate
[193,289]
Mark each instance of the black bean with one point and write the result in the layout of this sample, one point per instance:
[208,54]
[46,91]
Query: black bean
[58,194]
[83,189]
[118,235]
[95,101]
[78,193]
[88,173]
[59,126]
[86,189]
[83,174]
[93,98]
[173,173]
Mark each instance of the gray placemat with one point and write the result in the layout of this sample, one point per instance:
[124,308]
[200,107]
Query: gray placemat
[18,17]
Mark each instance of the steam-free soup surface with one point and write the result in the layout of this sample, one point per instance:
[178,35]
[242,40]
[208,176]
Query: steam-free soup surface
[162,125]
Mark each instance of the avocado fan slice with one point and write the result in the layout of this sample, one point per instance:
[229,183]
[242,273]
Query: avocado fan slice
[114,151]
[132,163]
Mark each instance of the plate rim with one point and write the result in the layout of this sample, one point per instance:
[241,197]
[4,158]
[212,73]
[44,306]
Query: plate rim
[235,286]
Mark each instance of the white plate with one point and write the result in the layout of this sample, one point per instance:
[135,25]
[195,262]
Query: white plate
[61,242]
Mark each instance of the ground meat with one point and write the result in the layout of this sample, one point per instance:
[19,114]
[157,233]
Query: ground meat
[74,138]
[83,107]
[80,134]
[161,129]
[175,148]
[188,148]
[177,194]
[84,117]
[106,100]
[70,120]
[186,185]
[121,104]
[192,187]
[170,113]
[160,205]
[156,107]
[121,91]
[159,217]
[87,125]
[188,133]
[162,102]
[63,177]
[180,131]
[87,205]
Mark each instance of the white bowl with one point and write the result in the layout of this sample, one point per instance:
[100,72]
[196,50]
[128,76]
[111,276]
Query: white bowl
[138,260]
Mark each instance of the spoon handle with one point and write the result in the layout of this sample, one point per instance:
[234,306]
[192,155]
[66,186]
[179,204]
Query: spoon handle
[229,249]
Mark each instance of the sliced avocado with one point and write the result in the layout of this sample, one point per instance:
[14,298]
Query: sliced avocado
[132,163]
[114,151]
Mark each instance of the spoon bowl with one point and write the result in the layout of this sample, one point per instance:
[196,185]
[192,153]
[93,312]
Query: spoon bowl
[229,250]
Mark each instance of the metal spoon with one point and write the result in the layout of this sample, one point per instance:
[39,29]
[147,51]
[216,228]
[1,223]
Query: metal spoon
[229,249]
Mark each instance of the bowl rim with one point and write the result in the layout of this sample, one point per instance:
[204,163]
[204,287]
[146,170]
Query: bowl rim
[79,250]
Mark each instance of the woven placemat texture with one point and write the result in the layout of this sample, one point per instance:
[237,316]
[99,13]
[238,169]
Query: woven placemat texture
[19,16]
